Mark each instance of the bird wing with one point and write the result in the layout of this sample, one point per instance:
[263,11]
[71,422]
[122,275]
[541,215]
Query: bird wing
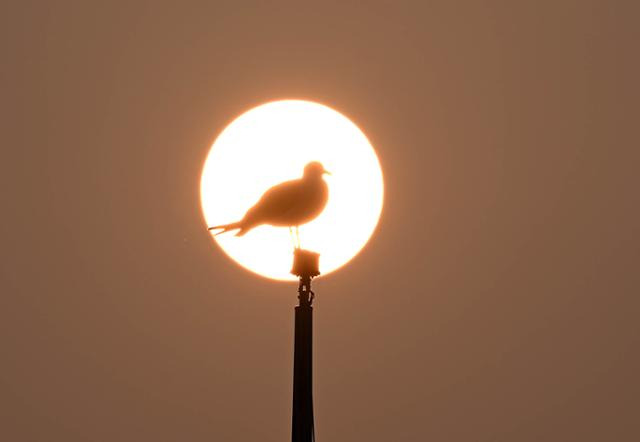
[277,201]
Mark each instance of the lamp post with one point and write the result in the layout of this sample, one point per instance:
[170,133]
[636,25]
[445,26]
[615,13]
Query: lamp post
[305,266]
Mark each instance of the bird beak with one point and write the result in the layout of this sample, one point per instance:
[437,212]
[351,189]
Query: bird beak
[326,171]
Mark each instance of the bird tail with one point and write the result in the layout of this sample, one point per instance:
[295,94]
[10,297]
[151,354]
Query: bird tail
[224,228]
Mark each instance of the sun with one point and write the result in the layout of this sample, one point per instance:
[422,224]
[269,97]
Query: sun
[272,143]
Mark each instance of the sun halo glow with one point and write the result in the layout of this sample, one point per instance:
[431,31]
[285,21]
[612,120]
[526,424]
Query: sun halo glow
[272,143]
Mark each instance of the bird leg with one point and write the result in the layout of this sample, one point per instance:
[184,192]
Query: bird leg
[293,240]
[298,237]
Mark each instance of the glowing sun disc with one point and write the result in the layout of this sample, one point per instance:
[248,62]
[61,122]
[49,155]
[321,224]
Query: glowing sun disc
[272,143]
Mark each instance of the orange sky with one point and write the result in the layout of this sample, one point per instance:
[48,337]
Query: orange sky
[498,300]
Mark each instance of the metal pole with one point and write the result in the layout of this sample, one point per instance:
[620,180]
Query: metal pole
[302,418]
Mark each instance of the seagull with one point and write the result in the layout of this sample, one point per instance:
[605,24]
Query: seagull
[289,204]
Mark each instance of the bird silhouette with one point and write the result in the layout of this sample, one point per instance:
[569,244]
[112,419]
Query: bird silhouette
[289,204]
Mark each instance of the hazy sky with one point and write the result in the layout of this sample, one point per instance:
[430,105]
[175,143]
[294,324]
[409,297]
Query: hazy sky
[497,301]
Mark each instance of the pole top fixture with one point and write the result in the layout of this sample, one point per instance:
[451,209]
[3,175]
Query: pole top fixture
[305,263]
[306,267]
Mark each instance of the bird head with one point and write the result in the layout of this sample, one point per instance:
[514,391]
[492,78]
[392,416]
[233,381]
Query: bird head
[314,170]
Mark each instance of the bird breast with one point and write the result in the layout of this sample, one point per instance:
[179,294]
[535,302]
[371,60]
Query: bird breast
[309,202]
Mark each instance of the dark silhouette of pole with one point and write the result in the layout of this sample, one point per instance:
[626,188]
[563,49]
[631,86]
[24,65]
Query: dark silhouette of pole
[305,266]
